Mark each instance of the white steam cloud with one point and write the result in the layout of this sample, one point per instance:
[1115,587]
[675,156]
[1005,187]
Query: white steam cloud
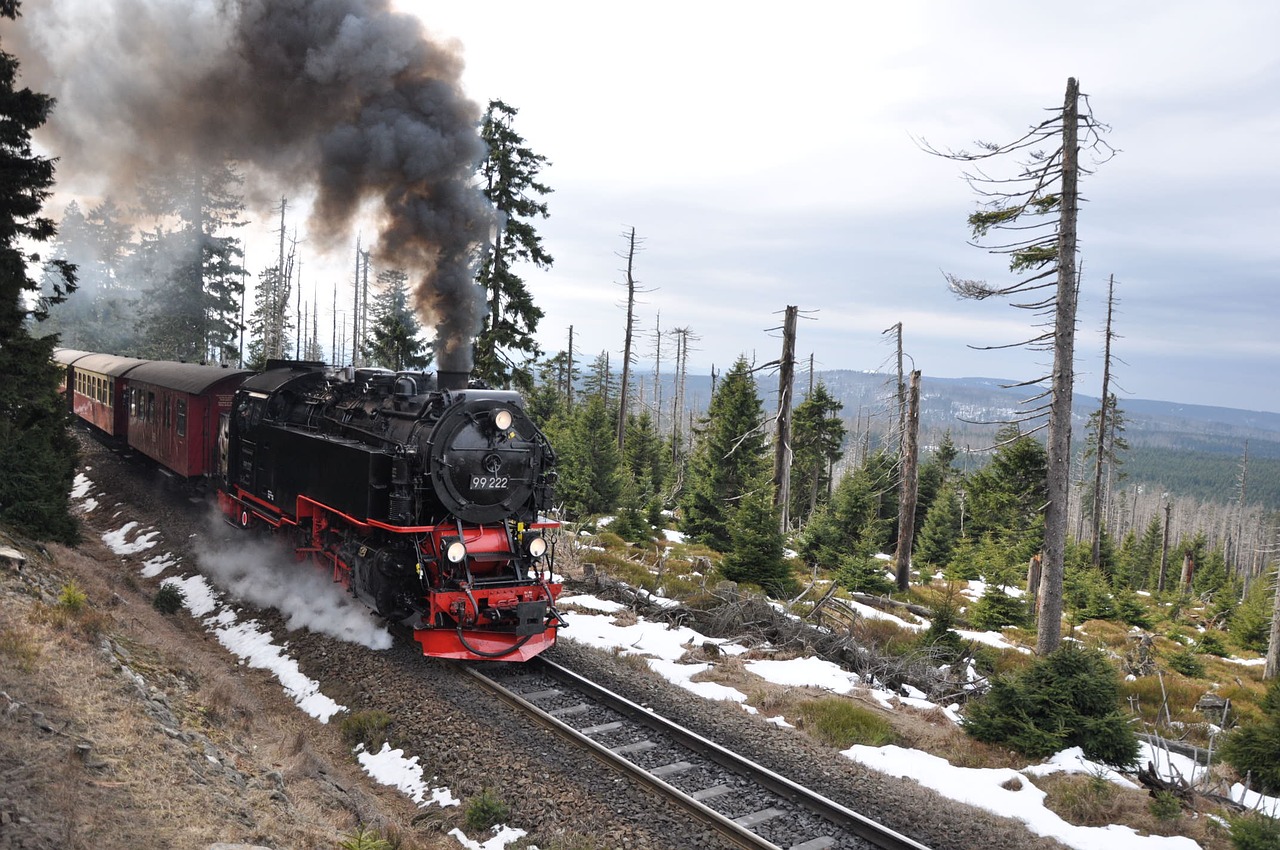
[264,573]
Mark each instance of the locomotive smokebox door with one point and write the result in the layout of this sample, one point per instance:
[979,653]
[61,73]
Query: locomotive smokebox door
[531,618]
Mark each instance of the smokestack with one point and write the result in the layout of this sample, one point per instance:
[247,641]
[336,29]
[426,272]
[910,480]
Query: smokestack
[344,100]
[451,380]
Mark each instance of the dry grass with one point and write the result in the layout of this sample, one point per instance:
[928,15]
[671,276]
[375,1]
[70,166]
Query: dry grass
[138,786]
[1087,800]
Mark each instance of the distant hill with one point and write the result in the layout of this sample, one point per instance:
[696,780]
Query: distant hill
[1193,450]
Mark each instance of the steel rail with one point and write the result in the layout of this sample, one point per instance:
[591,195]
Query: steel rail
[840,816]
[739,835]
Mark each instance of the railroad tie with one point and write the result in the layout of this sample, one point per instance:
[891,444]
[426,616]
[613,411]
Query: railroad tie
[537,695]
[638,746]
[815,844]
[602,727]
[708,793]
[570,710]
[668,769]
[748,821]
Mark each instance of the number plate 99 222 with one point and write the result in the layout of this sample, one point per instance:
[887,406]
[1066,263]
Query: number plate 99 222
[489,482]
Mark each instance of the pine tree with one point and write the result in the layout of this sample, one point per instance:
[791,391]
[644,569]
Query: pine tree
[37,453]
[509,179]
[270,322]
[1006,498]
[817,438]
[941,530]
[99,318]
[860,519]
[192,272]
[644,455]
[755,547]
[395,342]
[588,462]
[729,454]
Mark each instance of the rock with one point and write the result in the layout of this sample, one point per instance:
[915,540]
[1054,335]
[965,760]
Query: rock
[11,557]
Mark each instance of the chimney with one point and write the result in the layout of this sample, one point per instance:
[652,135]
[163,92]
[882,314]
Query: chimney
[452,380]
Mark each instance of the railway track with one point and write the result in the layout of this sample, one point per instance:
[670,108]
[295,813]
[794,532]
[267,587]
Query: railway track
[746,803]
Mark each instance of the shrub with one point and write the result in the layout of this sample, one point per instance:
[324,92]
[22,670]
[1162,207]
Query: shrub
[169,599]
[364,839]
[366,727]
[997,609]
[1254,748]
[841,723]
[73,597]
[1254,831]
[486,810]
[1164,806]
[1211,644]
[1186,663]
[1069,698]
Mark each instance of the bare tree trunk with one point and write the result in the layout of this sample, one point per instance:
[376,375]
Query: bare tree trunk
[626,344]
[909,484]
[355,309]
[1049,629]
[568,381]
[1101,447]
[782,448]
[1164,548]
[1273,645]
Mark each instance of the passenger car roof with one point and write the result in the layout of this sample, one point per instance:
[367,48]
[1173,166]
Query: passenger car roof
[183,377]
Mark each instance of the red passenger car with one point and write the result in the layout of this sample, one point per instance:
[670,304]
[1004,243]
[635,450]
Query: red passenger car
[97,391]
[66,357]
[173,411]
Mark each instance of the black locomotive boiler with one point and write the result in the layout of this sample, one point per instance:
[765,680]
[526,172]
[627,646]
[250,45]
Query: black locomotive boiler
[424,495]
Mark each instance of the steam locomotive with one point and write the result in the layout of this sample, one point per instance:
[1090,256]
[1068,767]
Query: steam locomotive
[423,494]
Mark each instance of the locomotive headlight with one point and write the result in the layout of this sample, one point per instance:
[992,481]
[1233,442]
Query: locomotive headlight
[502,419]
[454,549]
[535,545]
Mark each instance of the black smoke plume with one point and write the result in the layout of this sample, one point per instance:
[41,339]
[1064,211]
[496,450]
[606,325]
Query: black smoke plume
[345,100]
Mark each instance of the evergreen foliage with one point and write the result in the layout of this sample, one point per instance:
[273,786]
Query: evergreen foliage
[858,521]
[755,555]
[728,457]
[940,533]
[101,316]
[1254,748]
[1068,698]
[509,179]
[396,342]
[1007,496]
[589,463]
[37,453]
[817,438]
[1250,623]
[1255,831]
[191,275]
[270,323]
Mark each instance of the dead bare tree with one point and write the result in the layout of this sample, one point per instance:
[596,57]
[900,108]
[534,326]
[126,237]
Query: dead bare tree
[1038,208]
[909,488]
[633,245]
[1101,461]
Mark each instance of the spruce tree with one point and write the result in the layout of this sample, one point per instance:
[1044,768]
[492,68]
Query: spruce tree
[729,454]
[395,342]
[817,437]
[509,179]
[100,317]
[192,273]
[588,462]
[37,453]
[755,543]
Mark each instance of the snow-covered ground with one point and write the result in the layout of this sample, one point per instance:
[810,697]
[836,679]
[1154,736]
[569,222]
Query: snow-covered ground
[1003,791]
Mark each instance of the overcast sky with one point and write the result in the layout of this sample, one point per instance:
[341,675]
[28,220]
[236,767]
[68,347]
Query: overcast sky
[767,157]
